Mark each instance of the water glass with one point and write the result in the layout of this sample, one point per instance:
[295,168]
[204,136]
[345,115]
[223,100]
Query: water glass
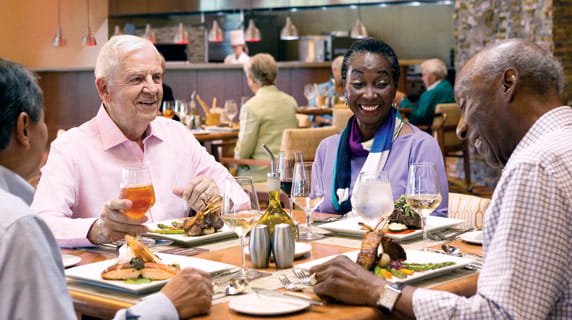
[372,198]
[308,194]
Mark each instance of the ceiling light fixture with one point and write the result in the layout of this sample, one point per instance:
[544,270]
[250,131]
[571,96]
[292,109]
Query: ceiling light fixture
[289,31]
[358,30]
[149,34]
[252,33]
[59,40]
[182,36]
[88,40]
[216,34]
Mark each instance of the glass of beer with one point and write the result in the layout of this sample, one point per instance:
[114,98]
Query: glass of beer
[136,186]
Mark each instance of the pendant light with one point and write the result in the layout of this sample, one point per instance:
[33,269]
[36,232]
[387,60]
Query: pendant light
[149,34]
[88,39]
[252,33]
[216,34]
[181,36]
[289,32]
[59,40]
[358,30]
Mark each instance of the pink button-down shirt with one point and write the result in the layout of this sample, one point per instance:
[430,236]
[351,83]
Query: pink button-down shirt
[84,170]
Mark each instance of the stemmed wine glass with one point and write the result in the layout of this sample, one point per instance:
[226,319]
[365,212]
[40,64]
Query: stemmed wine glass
[240,212]
[136,186]
[372,198]
[286,161]
[423,192]
[308,193]
[230,110]
[182,110]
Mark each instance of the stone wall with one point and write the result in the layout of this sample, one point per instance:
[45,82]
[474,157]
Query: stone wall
[480,22]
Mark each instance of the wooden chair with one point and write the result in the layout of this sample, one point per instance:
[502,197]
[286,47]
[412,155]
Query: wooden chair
[447,116]
[340,117]
[471,209]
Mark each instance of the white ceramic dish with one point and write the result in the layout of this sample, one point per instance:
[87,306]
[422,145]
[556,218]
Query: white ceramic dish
[91,273]
[225,232]
[412,257]
[299,251]
[351,227]
[474,237]
[70,260]
[254,304]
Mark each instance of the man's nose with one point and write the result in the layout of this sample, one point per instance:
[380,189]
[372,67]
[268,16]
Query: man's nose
[150,85]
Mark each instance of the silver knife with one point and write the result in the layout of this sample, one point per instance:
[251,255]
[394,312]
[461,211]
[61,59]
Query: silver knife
[286,296]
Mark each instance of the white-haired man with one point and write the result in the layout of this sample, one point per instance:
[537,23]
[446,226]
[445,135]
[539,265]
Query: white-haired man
[439,90]
[79,189]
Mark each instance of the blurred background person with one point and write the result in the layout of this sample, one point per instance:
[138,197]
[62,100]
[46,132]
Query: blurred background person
[438,90]
[38,290]
[263,117]
[239,48]
[374,139]
[330,92]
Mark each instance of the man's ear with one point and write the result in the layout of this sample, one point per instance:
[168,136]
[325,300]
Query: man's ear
[103,89]
[510,81]
[21,130]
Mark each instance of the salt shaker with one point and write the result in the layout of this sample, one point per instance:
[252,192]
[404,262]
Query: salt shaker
[283,245]
[259,246]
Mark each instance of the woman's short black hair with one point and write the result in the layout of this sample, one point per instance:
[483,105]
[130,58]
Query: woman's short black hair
[19,92]
[373,46]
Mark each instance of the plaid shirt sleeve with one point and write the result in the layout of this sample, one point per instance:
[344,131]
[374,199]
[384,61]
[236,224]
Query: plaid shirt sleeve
[528,253]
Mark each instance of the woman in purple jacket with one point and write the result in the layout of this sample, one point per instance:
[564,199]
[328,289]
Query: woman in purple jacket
[375,138]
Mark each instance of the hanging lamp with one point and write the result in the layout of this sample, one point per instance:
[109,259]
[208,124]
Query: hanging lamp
[59,40]
[149,34]
[215,33]
[88,40]
[252,33]
[358,30]
[181,36]
[289,31]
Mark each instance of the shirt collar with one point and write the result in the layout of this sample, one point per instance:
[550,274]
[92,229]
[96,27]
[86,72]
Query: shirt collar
[112,136]
[16,185]
[266,89]
[434,85]
[548,122]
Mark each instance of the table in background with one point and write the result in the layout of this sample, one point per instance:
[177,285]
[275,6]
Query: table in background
[314,110]
[103,303]
[218,143]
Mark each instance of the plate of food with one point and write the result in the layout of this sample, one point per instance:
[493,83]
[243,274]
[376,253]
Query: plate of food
[394,263]
[403,223]
[205,225]
[474,237]
[138,270]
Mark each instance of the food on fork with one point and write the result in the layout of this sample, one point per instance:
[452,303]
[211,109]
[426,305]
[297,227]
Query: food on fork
[137,261]
[206,221]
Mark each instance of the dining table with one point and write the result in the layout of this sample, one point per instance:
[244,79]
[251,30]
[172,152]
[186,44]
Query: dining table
[102,302]
[314,110]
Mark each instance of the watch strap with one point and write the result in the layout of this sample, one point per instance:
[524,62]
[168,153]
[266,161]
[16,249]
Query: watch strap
[388,297]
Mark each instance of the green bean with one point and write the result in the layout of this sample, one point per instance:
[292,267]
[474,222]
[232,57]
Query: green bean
[427,266]
[168,231]
[396,273]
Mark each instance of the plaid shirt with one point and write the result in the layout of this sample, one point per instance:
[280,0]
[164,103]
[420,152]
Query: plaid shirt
[527,267]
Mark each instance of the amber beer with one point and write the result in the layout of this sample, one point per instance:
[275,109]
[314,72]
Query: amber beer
[142,198]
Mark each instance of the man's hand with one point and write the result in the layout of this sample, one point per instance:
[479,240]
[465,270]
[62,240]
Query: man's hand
[346,281]
[198,192]
[191,292]
[113,224]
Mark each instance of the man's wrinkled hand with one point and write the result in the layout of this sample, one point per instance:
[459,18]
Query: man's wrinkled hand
[199,192]
[190,291]
[113,224]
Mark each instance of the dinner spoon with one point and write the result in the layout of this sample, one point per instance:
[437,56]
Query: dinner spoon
[233,288]
[454,251]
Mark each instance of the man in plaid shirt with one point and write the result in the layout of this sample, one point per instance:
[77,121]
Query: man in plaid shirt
[509,94]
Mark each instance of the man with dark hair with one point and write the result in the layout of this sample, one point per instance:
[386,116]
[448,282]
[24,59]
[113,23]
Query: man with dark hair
[31,270]
[509,94]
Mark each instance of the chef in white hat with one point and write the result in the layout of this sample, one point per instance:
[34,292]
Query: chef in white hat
[239,49]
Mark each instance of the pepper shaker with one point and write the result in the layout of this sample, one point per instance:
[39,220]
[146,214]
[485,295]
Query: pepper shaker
[283,245]
[259,246]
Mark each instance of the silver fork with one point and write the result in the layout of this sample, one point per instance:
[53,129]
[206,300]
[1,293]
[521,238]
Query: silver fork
[302,276]
[287,284]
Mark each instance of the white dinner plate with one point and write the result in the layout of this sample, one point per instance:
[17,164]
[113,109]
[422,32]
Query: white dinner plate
[412,257]
[91,273]
[299,251]
[475,237]
[351,227]
[254,304]
[70,260]
[223,233]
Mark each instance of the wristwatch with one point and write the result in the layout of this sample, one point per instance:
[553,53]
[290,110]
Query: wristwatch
[389,296]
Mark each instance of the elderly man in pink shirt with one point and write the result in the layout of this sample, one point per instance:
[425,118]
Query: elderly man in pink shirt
[78,194]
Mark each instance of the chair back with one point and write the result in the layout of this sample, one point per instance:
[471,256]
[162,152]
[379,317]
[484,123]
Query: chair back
[340,118]
[305,140]
[447,116]
[470,209]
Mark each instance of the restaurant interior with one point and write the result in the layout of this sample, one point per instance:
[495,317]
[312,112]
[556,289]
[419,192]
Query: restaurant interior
[60,40]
